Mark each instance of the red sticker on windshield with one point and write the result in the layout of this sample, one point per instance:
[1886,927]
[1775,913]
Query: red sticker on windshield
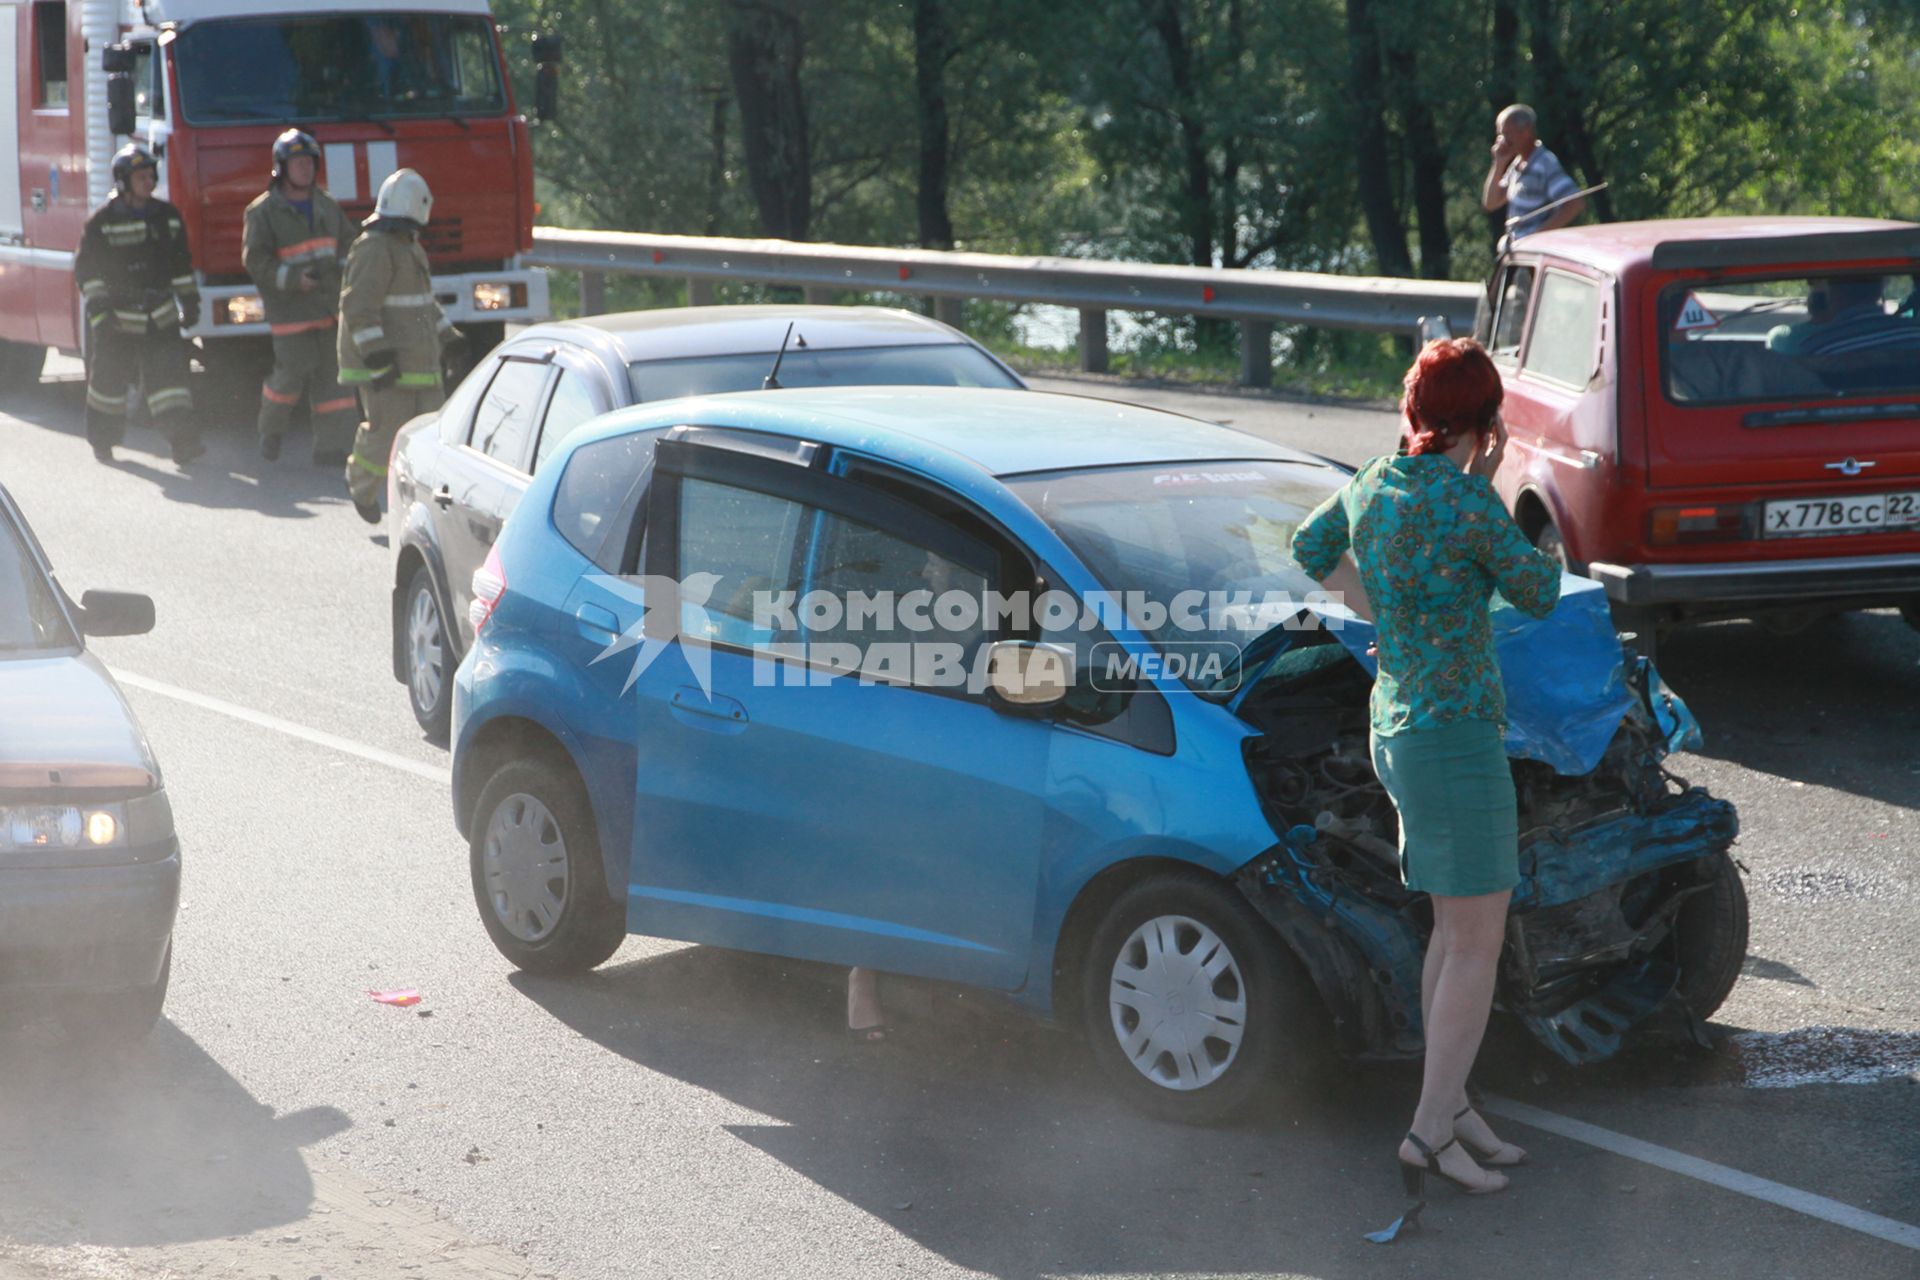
[1694,316]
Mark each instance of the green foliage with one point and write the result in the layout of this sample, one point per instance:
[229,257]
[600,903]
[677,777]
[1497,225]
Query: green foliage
[1224,130]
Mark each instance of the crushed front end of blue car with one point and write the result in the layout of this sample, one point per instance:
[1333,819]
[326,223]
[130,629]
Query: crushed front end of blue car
[1629,914]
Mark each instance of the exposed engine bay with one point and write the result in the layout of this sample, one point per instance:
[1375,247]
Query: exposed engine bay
[1628,906]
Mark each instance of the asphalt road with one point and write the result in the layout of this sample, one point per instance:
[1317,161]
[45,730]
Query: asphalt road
[691,1112]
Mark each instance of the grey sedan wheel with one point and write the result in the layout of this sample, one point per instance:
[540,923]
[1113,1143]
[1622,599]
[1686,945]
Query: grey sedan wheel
[538,879]
[429,657]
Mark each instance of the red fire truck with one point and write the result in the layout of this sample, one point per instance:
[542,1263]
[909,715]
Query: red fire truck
[206,85]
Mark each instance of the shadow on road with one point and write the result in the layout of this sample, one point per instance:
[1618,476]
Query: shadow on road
[1832,705]
[230,476]
[153,1144]
[985,1138]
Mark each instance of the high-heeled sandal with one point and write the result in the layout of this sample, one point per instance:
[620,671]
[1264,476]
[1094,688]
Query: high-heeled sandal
[1413,1176]
[1483,1155]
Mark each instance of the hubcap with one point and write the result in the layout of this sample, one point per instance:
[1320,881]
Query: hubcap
[1178,1003]
[525,867]
[423,644]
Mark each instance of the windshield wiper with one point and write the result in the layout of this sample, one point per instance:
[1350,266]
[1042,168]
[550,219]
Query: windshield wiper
[366,118]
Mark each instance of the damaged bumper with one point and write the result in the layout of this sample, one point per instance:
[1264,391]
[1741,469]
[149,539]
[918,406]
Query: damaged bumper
[1617,857]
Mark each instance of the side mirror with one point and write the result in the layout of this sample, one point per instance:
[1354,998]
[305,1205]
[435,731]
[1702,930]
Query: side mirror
[1434,329]
[1027,674]
[115,613]
[117,59]
[546,78]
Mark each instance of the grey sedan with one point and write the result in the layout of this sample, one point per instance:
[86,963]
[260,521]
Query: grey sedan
[89,864]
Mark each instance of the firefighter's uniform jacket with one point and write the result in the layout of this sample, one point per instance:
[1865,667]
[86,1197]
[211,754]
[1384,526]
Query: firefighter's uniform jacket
[279,245]
[132,266]
[388,321]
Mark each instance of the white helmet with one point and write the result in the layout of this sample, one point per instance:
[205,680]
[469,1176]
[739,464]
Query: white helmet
[404,195]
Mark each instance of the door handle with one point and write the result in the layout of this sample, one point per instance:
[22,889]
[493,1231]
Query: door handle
[39,199]
[718,712]
[443,496]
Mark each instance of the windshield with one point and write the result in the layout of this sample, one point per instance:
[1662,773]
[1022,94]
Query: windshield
[297,70]
[1200,553]
[30,617]
[947,364]
[1797,337]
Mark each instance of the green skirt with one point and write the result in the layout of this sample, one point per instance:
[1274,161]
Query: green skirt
[1459,821]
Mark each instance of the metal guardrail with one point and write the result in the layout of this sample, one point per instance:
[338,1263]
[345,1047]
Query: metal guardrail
[1257,300]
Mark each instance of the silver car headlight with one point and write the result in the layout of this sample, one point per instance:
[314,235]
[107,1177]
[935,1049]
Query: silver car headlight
[113,824]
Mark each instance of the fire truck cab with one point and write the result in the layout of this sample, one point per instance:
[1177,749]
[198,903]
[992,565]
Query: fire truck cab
[420,84]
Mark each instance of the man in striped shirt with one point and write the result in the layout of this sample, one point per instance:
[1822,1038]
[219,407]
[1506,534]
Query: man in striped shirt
[1526,176]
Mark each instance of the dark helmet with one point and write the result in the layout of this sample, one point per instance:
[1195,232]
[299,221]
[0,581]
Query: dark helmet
[290,144]
[129,158]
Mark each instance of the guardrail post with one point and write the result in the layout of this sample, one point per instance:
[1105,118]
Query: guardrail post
[818,295]
[949,311]
[1256,353]
[1093,340]
[699,291]
[593,293]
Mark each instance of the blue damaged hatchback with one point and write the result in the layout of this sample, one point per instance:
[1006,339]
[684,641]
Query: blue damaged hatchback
[1024,691]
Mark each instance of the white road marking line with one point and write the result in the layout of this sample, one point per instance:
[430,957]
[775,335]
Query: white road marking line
[432,773]
[1746,1184]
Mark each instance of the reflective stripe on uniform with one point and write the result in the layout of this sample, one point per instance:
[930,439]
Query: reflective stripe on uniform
[366,464]
[182,283]
[102,403]
[91,289]
[368,336]
[356,375]
[419,380]
[342,405]
[169,400]
[304,326]
[323,247]
[408,300]
[278,397]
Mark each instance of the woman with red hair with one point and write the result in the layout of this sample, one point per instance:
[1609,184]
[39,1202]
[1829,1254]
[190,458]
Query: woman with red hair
[1420,541]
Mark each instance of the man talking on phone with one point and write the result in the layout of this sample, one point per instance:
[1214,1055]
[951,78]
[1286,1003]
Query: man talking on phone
[295,242]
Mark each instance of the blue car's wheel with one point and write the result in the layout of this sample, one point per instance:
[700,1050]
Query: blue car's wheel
[1191,1006]
[537,876]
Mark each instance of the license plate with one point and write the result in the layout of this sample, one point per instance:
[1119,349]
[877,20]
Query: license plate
[1855,513]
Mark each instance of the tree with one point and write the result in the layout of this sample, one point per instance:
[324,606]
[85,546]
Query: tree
[765,49]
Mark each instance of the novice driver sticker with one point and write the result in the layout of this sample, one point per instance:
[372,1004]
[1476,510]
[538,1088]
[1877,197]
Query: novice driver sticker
[1694,315]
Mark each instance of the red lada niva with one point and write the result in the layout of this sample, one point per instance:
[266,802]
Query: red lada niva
[1717,417]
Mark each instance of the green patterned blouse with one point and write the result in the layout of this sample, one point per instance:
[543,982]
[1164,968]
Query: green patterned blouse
[1431,543]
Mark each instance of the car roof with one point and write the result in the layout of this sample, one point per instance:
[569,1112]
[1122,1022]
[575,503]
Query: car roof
[956,430]
[1618,245]
[672,333]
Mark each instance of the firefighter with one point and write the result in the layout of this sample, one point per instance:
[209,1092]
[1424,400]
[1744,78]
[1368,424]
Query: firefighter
[392,332]
[135,273]
[296,239]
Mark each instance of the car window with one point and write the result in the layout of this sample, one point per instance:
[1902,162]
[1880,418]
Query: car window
[1510,317]
[1563,336]
[1799,337]
[504,425]
[597,495]
[746,540]
[456,416]
[30,617]
[570,406]
[921,598]
[943,364]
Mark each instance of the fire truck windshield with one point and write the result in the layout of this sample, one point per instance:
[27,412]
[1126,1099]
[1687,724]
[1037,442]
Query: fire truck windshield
[296,69]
